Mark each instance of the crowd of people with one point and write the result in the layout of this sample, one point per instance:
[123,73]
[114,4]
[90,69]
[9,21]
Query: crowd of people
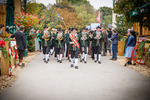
[75,44]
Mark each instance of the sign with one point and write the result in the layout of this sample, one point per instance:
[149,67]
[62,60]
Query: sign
[94,25]
[13,43]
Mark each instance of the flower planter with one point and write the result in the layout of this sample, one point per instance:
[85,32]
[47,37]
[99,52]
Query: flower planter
[121,45]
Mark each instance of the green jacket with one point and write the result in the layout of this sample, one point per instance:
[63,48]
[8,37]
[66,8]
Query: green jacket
[46,43]
[84,42]
[97,41]
[67,38]
[57,41]
[72,47]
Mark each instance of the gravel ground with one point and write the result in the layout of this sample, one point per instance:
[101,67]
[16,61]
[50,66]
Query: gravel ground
[143,69]
[7,81]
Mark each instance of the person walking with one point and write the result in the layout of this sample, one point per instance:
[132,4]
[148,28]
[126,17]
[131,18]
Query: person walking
[130,44]
[74,46]
[114,40]
[21,43]
[59,44]
[84,41]
[97,44]
[46,43]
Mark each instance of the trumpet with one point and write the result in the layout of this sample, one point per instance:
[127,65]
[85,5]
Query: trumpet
[48,29]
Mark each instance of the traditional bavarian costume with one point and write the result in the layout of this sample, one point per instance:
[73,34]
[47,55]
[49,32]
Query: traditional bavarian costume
[84,41]
[46,43]
[97,44]
[74,47]
[59,43]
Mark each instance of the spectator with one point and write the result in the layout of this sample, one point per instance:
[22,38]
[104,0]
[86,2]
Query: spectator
[114,40]
[131,42]
[1,28]
[109,35]
[21,43]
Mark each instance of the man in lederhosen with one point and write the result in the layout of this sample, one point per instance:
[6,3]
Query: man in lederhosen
[84,41]
[59,43]
[74,47]
[46,43]
[97,44]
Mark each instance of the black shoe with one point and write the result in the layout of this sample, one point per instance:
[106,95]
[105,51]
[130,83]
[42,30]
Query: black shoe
[46,61]
[95,61]
[114,59]
[69,60]
[60,61]
[43,58]
[76,67]
[73,61]
[71,65]
[129,63]
[80,60]
[99,62]
[125,64]
[85,61]
[134,64]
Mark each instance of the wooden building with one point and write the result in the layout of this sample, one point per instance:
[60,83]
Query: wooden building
[3,13]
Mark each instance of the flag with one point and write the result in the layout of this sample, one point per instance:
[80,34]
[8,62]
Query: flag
[98,17]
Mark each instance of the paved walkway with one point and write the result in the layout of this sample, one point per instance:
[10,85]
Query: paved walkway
[92,81]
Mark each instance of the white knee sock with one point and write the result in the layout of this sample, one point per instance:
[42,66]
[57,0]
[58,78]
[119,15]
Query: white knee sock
[95,56]
[69,56]
[71,60]
[99,57]
[85,57]
[60,57]
[76,62]
[47,56]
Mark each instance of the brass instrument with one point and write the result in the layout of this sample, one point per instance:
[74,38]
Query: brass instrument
[46,35]
[59,36]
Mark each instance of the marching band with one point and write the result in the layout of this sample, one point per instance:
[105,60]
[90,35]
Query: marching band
[74,42]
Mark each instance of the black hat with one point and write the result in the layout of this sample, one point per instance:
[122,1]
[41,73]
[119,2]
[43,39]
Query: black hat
[98,27]
[59,29]
[73,28]
[45,26]
[69,29]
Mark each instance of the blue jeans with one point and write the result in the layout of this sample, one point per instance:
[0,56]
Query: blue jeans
[114,51]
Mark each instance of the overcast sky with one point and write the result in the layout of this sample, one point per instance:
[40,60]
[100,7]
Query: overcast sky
[95,3]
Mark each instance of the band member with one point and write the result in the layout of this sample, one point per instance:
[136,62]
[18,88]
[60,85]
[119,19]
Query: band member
[84,41]
[59,41]
[53,42]
[46,43]
[67,43]
[74,46]
[97,43]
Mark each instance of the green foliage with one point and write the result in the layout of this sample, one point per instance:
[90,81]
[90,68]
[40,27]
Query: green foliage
[106,16]
[122,26]
[124,7]
[86,12]
[30,43]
